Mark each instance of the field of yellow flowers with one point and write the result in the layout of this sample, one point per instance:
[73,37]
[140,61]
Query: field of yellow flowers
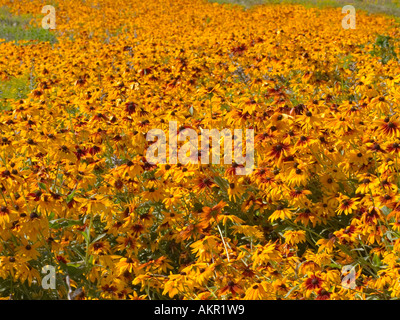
[77,193]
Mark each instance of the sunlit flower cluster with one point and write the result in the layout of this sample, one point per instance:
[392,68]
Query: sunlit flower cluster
[77,193]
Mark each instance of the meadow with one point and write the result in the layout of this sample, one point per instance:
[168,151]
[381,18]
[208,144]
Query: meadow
[84,214]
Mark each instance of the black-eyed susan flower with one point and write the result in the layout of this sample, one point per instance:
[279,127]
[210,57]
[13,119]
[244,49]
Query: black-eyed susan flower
[347,205]
[280,212]
[294,237]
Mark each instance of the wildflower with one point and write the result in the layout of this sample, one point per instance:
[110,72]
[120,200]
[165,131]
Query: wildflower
[280,213]
[347,205]
[294,237]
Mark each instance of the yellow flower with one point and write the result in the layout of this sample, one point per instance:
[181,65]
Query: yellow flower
[280,213]
[127,264]
[294,237]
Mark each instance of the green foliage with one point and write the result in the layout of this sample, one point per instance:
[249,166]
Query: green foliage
[14,89]
[384,48]
[19,28]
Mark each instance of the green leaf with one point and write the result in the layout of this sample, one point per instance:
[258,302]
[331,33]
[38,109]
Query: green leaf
[75,270]
[70,196]
[376,261]
[86,236]
[385,210]
[75,264]
[42,186]
[51,216]
[335,265]
[392,236]
[63,223]
[99,237]
[221,182]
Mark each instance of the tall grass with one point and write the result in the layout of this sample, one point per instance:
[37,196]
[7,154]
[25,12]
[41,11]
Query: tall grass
[17,28]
